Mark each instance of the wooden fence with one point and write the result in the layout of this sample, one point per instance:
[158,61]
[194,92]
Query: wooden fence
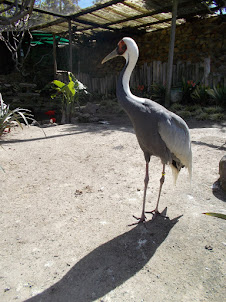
[155,72]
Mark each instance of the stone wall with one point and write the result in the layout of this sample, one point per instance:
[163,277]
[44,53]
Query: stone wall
[197,42]
[199,49]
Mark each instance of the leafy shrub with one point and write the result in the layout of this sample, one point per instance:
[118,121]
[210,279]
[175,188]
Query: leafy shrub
[218,94]
[184,114]
[217,117]
[176,107]
[188,88]
[213,109]
[200,94]
[202,116]
[158,93]
[69,94]
[194,108]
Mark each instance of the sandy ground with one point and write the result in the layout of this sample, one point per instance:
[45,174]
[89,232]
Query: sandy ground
[67,201]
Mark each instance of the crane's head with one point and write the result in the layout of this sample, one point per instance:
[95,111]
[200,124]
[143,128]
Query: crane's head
[126,48]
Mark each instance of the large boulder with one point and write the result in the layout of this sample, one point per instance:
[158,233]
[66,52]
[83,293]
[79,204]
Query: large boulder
[222,172]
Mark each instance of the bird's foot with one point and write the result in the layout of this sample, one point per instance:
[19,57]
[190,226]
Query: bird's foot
[156,213]
[142,219]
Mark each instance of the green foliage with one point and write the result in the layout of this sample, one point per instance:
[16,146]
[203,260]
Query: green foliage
[69,94]
[214,109]
[202,116]
[176,106]
[185,114]
[218,215]
[187,89]
[59,6]
[200,94]
[213,113]
[158,93]
[218,94]
[217,117]
[9,117]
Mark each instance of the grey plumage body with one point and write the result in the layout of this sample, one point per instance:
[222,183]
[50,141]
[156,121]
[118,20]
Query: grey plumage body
[148,117]
[159,132]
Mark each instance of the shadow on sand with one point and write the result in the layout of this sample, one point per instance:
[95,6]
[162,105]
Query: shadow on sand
[110,264]
[71,130]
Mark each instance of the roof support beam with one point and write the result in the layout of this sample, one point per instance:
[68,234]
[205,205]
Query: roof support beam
[54,57]
[70,45]
[171,53]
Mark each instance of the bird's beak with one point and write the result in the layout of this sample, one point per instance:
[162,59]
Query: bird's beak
[111,55]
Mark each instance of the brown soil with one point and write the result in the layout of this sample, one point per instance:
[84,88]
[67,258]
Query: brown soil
[67,201]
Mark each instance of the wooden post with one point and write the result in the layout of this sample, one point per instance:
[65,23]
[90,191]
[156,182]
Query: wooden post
[70,45]
[171,52]
[54,57]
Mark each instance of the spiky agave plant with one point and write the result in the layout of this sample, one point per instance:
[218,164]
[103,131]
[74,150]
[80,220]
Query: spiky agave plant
[8,117]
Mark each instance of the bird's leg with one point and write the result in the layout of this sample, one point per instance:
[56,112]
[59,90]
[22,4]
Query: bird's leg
[162,179]
[146,180]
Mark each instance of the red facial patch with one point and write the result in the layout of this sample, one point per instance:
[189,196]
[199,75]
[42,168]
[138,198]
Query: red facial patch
[121,48]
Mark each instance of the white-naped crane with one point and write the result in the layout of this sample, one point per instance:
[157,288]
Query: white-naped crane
[159,131]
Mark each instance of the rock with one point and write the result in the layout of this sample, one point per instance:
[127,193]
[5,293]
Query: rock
[84,117]
[222,172]
[90,108]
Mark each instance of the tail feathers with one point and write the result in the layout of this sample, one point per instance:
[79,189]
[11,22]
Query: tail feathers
[190,172]
[175,173]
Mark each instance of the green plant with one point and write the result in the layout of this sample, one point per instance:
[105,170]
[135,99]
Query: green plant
[218,215]
[158,92]
[188,86]
[185,114]
[217,117]
[176,106]
[213,109]
[193,108]
[200,94]
[202,116]
[218,94]
[8,117]
[69,94]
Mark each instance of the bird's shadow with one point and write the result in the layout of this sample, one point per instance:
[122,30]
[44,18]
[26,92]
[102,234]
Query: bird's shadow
[110,264]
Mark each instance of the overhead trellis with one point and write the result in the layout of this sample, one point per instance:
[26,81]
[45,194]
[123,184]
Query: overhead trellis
[124,15]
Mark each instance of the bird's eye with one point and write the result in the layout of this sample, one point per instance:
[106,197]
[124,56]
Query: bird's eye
[121,48]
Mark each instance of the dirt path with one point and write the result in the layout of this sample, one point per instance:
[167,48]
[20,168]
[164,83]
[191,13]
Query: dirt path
[67,200]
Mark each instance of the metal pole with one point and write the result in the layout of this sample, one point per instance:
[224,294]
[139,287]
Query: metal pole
[54,57]
[70,45]
[171,53]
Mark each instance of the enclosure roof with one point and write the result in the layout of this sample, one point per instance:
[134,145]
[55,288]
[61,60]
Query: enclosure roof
[126,15]
[44,38]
